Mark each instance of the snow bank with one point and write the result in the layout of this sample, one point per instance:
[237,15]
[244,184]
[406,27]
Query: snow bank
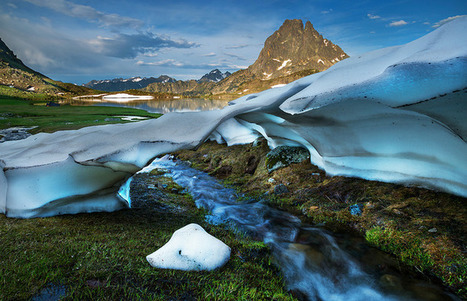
[191,248]
[395,115]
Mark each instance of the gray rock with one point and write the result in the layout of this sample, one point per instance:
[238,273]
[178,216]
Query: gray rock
[284,155]
[356,209]
[280,189]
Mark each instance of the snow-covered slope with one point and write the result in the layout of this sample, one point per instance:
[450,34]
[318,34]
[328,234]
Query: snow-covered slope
[395,115]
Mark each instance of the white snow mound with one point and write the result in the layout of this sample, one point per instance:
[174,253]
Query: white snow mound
[191,248]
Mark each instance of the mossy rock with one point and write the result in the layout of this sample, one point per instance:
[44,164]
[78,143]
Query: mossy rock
[283,156]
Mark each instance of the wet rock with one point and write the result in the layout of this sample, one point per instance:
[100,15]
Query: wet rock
[356,209]
[284,155]
[280,189]
[390,282]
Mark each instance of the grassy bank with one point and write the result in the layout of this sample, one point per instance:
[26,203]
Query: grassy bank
[424,229]
[16,112]
[101,256]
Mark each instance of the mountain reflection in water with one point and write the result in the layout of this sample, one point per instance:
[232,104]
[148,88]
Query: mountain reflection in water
[164,106]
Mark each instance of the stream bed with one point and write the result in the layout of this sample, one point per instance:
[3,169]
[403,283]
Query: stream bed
[316,264]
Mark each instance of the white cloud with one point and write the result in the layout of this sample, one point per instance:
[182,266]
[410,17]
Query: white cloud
[131,45]
[235,56]
[237,46]
[444,21]
[88,13]
[398,23]
[12,5]
[373,17]
[325,12]
[209,54]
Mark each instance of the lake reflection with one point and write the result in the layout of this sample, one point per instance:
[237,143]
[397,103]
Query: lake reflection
[165,106]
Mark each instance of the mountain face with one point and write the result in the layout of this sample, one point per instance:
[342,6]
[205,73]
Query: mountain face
[214,76]
[14,73]
[9,59]
[120,84]
[294,47]
[19,78]
[292,52]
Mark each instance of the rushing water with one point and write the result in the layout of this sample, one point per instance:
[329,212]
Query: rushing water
[315,264]
[163,105]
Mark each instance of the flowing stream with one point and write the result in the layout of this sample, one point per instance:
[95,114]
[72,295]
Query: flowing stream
[315,264]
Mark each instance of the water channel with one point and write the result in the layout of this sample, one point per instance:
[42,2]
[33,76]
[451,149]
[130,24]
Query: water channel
[317,264]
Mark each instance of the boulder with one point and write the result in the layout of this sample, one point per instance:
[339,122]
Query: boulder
[191,248]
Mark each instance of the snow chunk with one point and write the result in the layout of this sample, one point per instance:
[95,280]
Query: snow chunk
[284,64]
[277,86]
[191,248]
[123,97]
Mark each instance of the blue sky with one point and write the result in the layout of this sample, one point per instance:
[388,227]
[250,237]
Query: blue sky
[80,40]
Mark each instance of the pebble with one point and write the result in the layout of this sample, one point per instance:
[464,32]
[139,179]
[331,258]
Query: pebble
[433,230]
[280,189]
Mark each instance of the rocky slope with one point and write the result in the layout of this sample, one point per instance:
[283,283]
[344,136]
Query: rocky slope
[17,78]
[294,47]
[293,51]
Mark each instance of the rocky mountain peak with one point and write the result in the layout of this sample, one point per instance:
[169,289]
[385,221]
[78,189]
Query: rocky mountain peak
[214,76]
[295,47]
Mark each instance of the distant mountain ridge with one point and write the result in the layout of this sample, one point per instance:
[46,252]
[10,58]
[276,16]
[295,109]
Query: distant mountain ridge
[293,51]
[214,76]
[121,84]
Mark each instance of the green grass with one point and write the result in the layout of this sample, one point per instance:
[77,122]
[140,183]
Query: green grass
[27,113]
[101,256]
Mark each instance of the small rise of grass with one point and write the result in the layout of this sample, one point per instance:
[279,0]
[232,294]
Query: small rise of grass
[404,244]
